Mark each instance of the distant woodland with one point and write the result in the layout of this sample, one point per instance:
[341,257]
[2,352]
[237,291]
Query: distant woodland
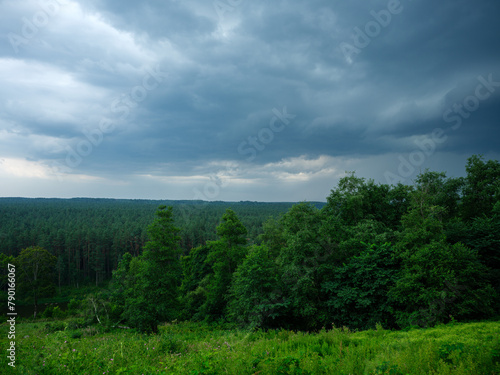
[372,254]
[89,236]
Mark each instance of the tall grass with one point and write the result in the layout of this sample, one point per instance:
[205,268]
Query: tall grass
[190,348]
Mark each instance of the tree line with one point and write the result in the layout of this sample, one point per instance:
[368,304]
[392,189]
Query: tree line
[89,236]
[396,255]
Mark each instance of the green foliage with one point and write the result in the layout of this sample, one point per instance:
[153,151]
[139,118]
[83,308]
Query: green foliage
[256,300]
[74,306]
[95,309]
[290,366]
[145,289]
[223,258]
[357,292]
[387,368]
[356,199]
[482,234]
[439,280]
[193,293]
[482,187]
[35,267]
[54,327]
[421,225]
[76,334]
[231,230]
[273,236]
[441,191]
[89,236]
[53,312]
[139,311]
[75,323]
[302,263]
[399,256]
[161,268]
[188,348]
[119,286]
[446,351]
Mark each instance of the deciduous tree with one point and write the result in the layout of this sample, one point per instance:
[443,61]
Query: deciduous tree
[35,267]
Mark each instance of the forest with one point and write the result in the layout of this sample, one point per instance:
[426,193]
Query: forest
[373,254]
[89,236]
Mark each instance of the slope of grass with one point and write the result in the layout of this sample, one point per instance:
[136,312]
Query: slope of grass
[189,348]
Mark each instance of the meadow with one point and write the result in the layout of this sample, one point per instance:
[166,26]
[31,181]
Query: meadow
[61,347]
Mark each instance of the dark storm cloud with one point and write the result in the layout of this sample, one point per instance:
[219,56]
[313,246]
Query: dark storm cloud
[223,74]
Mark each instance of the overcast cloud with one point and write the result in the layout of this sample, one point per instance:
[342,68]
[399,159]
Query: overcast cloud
[239,99]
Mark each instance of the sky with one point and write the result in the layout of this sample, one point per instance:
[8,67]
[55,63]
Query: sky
[242,100]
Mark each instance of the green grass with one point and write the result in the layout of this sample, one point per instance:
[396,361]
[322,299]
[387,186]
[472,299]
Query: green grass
[190,348]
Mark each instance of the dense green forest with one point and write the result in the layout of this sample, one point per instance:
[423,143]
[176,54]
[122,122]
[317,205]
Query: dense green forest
[396,256]
[89,236]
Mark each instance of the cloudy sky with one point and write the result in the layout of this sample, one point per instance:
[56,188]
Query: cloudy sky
[239,99]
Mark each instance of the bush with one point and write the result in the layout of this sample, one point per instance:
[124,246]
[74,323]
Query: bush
[74,306]
[47,313]
[170,344]
[74,324]
[76,334]
[446,351]
[54,327]
[57,313]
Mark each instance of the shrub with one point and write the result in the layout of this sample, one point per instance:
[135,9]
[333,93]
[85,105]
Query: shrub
[74,306]
[47,313]
[57,313]
[76,323]
[76,334]
[54,327]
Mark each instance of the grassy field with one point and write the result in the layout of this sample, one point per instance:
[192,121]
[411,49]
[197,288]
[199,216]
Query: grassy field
[56,347]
